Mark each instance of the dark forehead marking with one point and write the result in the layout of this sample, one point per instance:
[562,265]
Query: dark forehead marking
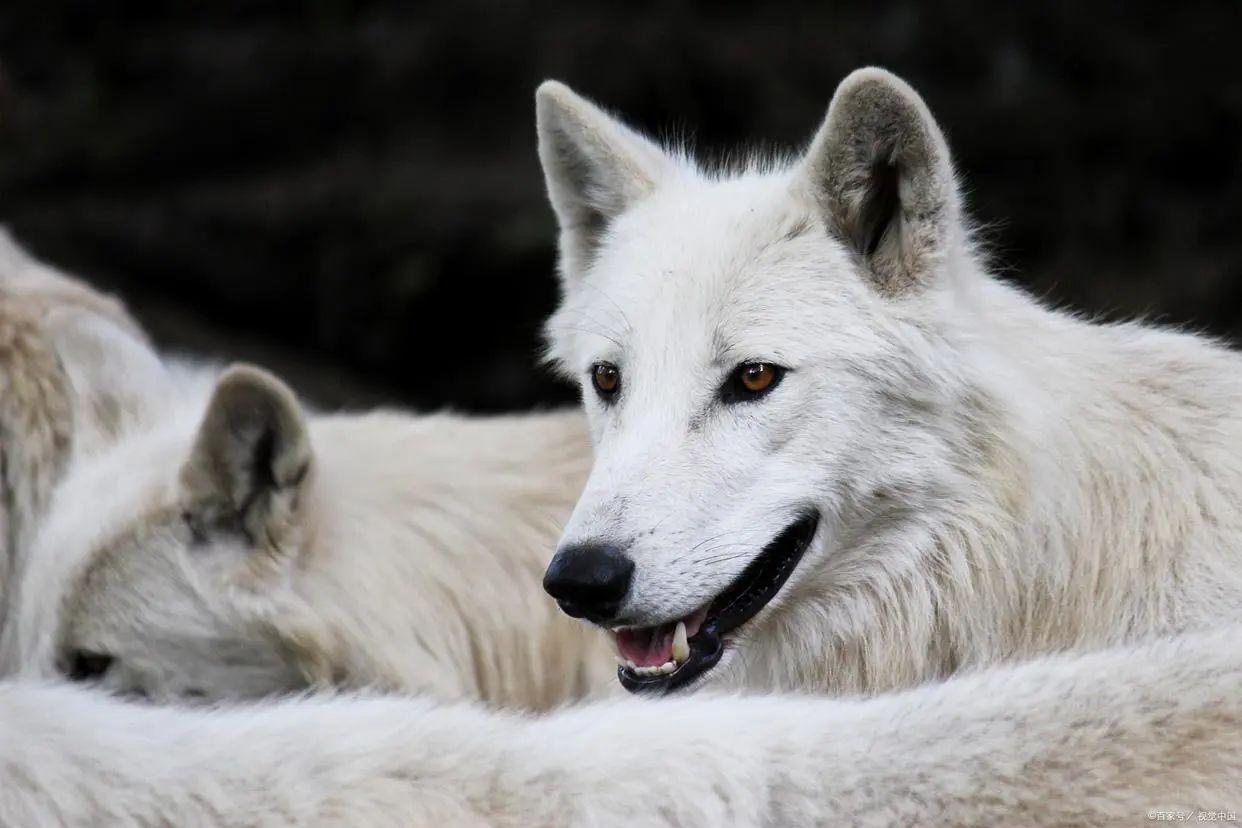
[804,226]
[791,229]
[795,228]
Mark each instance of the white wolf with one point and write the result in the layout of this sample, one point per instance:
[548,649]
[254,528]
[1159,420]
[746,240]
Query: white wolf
[412,560]
[831,445]
[227,545]
[833,455]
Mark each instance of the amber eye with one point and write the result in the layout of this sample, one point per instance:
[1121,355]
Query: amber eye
[758,377]
[606,379]
[751,380]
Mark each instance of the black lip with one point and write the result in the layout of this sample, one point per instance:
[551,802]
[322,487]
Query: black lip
[750,592]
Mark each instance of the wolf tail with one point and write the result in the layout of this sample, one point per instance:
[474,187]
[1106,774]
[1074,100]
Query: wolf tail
[1129,735]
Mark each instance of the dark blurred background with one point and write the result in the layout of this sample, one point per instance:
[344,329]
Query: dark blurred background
[348,192]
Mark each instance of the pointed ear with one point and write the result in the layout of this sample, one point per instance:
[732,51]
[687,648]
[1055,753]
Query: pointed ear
[251,457]
[115,378]
[880,173]
[595,168]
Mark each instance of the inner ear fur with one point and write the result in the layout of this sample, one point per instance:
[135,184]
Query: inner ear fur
[880,173]
[251,456]
[595,168]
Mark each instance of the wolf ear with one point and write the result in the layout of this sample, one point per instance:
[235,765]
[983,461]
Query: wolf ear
[115,378]
[595,168]
[251,457]
[880,173]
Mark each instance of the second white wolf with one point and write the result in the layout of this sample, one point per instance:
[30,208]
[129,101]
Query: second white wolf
[168,530]
[229,545]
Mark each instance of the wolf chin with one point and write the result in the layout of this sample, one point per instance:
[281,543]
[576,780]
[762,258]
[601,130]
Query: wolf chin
[832,455]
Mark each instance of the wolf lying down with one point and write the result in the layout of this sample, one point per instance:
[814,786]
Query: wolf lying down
[225,545]
[410,546]
[831,454]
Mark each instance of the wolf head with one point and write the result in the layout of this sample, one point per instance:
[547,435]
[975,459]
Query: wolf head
[769,374]
[155,569]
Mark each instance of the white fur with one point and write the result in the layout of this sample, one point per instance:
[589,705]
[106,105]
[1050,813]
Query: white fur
[997,482]
[1105,739]
[408,557]
[44,314]
[996,479]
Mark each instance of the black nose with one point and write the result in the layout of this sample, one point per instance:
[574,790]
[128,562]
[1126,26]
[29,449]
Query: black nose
[589,580]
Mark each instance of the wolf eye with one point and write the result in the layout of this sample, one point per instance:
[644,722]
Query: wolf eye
[751,380]
[87,666]
[607,379]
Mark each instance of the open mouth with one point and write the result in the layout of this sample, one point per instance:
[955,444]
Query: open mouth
[668,656]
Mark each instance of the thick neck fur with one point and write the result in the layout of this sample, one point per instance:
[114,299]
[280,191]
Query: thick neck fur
[1094,477]
[424,546]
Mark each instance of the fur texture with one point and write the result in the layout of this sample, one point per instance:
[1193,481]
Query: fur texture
[995,482]
[1110,738]
[995,479]
[228,546]
[39,421]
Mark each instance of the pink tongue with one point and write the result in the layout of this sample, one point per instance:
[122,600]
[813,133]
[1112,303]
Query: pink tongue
[653,646]
[647,646]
